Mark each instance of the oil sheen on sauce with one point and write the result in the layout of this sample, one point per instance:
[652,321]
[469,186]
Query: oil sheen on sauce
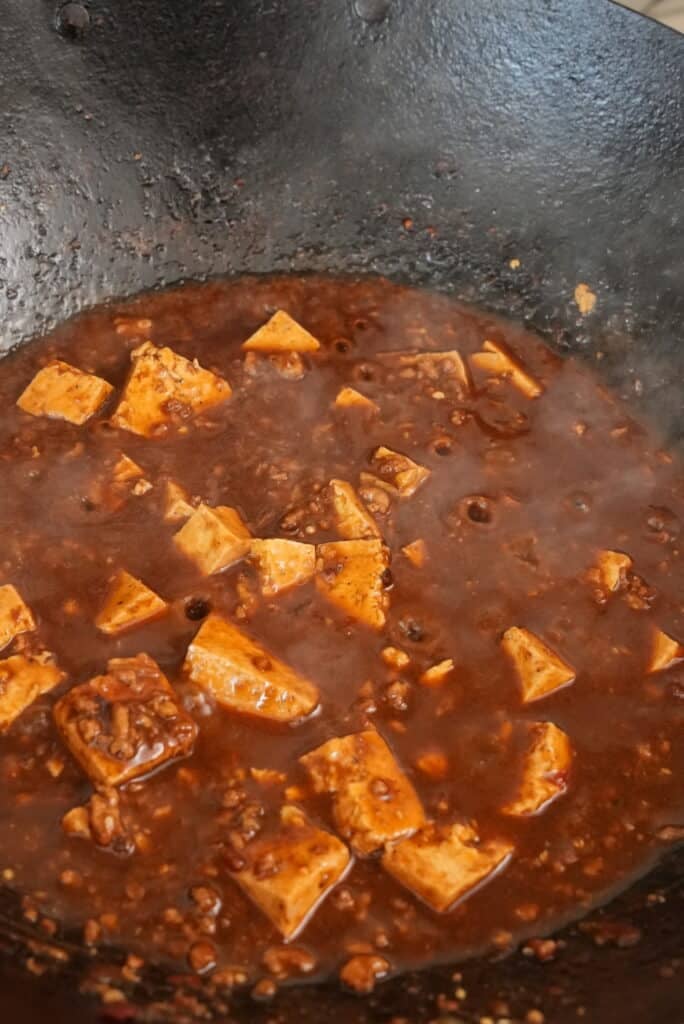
[480,618]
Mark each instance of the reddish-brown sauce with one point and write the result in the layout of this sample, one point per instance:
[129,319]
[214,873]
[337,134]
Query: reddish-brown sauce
[524,493]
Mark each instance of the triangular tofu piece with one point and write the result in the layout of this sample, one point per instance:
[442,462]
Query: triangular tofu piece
[283,564]
[177,507]
[445,865]
[128,475]
[350,398]
[15,616]
[497,360]
[539,669]
[416,552]
[545,771]
[214,538]
[128,603]
[373,800]
[164,388]
[398,471]
[243,676]
[126,470]
[22,680]
[665,653]
[305,863]
[62,392]
[352,575]
[613,567]
[352,519]
[281,334]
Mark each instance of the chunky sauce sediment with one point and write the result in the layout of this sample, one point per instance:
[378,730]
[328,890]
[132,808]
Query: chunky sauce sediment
[546,516]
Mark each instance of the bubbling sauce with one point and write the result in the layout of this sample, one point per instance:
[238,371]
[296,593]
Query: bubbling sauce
[343,636]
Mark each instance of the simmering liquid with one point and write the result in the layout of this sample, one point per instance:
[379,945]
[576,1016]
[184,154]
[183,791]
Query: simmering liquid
[444,715]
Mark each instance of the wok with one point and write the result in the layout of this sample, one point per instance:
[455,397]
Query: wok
[147,141]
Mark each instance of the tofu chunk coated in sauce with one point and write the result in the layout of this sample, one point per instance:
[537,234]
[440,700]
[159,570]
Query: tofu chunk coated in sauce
[281,334]
[612,569]
[123,724]
[540,670]
[165,388]
[545,770]
[443,865]
[353,521]
[373,800]
[15,615]
[665,652]
[352,575]
[398,472]
[177,507]
[126,470]
[22,680]
[128,603]
[289,874]
[214,538]
[497,360]
[282,564]
[350,398]
[62,392]
[243,676]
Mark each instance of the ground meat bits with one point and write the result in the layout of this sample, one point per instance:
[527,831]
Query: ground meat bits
[353,648]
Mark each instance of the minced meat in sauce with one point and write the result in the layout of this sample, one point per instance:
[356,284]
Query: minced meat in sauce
[341,631]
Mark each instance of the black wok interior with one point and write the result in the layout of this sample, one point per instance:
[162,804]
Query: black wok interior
[168,140]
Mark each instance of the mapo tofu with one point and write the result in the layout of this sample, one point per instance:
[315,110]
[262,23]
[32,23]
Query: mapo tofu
[340,632]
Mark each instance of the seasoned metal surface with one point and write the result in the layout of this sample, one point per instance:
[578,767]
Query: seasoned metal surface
[169,139]
[156,140]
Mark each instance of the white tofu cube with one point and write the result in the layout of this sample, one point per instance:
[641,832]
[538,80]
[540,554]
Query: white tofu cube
[15,616]
[283,564]
[281,334]
[352,574]
[128,603]
[62,392]
[288,875]
[22,680]
[540,670]
[243,676]
[164,388]
[373,800]
[443,866]
[214,538]
[545,771]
